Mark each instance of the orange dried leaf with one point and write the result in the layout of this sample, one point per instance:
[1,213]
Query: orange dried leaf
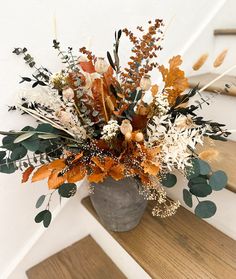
[96,177]
[77,173]
[174,78]
[77,157]
[26,174]
[58,164]
[150,167]
[87,66]
[117,172]
[55,180]
[41,173]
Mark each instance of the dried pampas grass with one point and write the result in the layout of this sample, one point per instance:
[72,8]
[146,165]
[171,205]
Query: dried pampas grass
[220,58]
[209,154]
[200,62]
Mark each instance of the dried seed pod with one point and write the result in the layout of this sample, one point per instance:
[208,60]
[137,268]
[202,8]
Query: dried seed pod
[145,83]
[220,58]
[101,66]
[126,127]
[200,62]
[139,137]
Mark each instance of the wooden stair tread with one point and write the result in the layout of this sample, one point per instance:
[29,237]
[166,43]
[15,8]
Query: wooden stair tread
[84,259]
[226,160]
[225,31]
[218,86]
[182,246]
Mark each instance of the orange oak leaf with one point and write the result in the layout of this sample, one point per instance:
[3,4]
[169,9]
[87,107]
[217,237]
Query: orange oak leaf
[174,78]
[87,66]
[55,180]
[26,174]
[96,177]
[150,167]
[117,172]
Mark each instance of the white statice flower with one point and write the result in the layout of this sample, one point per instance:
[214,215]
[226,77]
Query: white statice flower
[174,139]
[110,130]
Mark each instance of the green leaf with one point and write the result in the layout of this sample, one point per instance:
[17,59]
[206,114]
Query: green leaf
[48,136]
[168,180]
[204,167]
[40,201]
[218,180]
[44,127]
[205,209]
[18,153]
[24,136]
[67,190]
[197,180]
[40,216]
[200,189]
[31,144]
[187,196]
[47,218]
[2,155]
[7,166]
[193,170]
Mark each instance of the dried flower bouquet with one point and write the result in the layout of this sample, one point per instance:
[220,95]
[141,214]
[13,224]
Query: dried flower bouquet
[95,122]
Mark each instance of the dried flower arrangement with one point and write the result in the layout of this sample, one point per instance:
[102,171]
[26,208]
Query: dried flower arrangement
[94,122]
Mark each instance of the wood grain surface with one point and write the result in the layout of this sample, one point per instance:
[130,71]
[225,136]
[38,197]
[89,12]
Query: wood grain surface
[179,247]
[83,260]
[218,86]
[226,160]
[226,31]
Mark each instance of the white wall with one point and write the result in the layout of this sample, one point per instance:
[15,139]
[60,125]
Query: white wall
[30,23]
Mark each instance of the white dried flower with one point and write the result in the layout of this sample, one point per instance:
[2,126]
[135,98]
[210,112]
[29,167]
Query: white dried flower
[68,94]
[101,66]
[110,130]
[145,83]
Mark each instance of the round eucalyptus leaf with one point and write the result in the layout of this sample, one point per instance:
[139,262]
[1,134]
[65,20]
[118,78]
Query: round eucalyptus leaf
[40,216]
[201,189]
[18,153]
[40,201]
[7,166]
[197,180]
[169,180]
[205,209]
[67,190]
[204,167]
[187,196]
[2,155]
[45,127]
[218,180]
[193,170]
[47,218]
[31,144]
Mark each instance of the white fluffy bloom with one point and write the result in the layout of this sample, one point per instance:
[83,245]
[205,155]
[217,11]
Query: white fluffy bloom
[174,140]
[110,130]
